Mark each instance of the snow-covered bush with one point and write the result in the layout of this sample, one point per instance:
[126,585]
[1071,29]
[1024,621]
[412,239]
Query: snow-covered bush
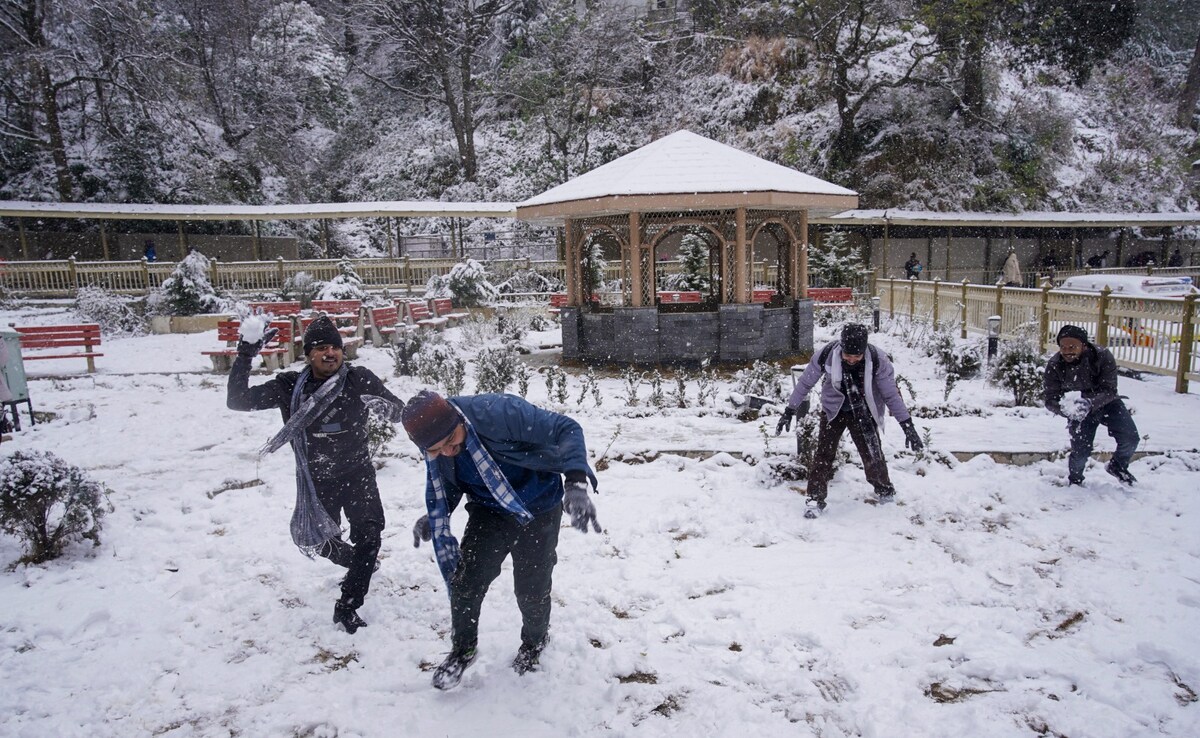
[556,385]
[438,364]
[404,352]
[301,287]
[529,280]
[114,314]
[468,282]
[380,431]
[496,369]
[48,503]
[762,379]
[657,397]
[694,263]
[187,291]
[347,285]
[1020,367]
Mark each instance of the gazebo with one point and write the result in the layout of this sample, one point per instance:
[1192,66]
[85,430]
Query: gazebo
[641,205]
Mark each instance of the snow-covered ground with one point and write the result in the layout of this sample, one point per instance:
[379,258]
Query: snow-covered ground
[989,601]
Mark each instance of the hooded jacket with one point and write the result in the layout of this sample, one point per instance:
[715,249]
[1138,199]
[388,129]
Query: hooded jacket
[1094,376]
[879,379]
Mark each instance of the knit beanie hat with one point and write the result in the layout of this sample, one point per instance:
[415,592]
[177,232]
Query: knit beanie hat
[428,418]
[321,332]
[854,339]
[1071,331]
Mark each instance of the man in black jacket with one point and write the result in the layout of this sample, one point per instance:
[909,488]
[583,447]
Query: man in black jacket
[1083,367]
[336,451]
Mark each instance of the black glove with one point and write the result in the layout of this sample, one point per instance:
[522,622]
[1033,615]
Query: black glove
[422,531]
[911,438]
[246,348]
[785,420]
[383,407]
[578,505]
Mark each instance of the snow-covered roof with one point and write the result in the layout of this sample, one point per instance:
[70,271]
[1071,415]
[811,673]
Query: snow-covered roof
[686,169]
[1032,219]
[150,211]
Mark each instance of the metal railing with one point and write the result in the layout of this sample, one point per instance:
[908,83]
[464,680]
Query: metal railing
[1156,335]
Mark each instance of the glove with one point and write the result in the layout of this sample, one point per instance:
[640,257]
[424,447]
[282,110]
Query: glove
[246,348]
[911,438]
[785,421]
[383,407]
[578,505]
[421,531]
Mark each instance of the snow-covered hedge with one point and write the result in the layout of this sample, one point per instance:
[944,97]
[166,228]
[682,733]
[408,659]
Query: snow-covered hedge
[113,313]
[48,503]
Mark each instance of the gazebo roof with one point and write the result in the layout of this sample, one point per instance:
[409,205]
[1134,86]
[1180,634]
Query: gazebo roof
[685,171]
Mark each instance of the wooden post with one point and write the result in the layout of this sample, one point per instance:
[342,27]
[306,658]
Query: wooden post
[891,298]
[569,263]
[744,267]
[802,278]
[912,299]
[279,266]
[999,297]
[324,238]
[887,249]
[1102,318]
[104,240]
[212,270]
[182,240]
[1044,315]
[1185,344]
[258,240]
[949,241]
[937,281]
[635,259]
[387,230]
[146,272]
[793,266]
[24,239]
[407,275]
[1120,247]
[962,333]
[71,271]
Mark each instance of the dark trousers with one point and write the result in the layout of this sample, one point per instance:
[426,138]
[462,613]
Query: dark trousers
[489,538]
[865,440]
[1114,416]
[357,495]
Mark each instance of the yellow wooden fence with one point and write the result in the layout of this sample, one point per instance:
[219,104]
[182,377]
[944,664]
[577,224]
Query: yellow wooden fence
[1156,335]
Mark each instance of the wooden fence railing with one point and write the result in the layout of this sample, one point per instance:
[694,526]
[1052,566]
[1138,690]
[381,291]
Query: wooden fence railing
[1147,334]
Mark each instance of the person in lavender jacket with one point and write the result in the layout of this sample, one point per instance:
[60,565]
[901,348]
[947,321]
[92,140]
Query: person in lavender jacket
[859,383]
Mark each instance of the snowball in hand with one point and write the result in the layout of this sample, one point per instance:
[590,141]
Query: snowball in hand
[253,327]
[1075,406]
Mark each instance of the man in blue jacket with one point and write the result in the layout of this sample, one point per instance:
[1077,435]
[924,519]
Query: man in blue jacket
[860,384]
[508,458]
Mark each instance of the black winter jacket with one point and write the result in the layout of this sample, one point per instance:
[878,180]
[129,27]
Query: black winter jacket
[337,442]
[1094,376]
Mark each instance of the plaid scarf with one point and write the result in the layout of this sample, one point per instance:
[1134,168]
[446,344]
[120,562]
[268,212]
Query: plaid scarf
[445,545]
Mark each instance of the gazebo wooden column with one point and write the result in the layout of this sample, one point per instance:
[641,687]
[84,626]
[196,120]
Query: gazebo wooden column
[635,260]
[572,264]
[742,268]
[802,277]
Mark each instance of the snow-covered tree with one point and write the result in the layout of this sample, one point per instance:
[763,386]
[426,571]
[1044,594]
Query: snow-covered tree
[468,282]
[347,285]
[836,263]
[48,503]
[188,290]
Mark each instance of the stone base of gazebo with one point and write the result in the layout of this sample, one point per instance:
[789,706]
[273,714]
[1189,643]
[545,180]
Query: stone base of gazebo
[734,334]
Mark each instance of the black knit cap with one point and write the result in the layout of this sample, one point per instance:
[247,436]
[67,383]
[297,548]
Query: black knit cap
[428,418]
[854,339]
[1071,331]
[321,332]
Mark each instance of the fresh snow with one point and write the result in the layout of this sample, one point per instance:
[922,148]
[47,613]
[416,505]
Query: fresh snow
[990,600]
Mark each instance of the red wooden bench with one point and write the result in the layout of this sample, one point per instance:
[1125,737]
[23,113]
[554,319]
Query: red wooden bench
[443,307]
[352,335]
[418,313]
[762,295]
[666,297]
[345,314]
[384,324]
[81,335]
[282,309]
[276,355]
[839,296]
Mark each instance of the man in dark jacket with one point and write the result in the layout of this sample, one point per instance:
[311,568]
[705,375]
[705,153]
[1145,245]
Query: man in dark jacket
[859,383]
[1082,366]
[335,455]
[508,458]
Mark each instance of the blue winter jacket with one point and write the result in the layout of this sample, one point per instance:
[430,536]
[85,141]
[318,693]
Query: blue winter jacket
[519,433]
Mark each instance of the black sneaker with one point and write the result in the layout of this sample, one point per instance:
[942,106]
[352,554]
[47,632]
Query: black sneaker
[527,658]
[1121,472]
[345,616]
[449,673]
[813,508]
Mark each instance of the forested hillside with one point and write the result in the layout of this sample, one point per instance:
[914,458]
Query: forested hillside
[932,104]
